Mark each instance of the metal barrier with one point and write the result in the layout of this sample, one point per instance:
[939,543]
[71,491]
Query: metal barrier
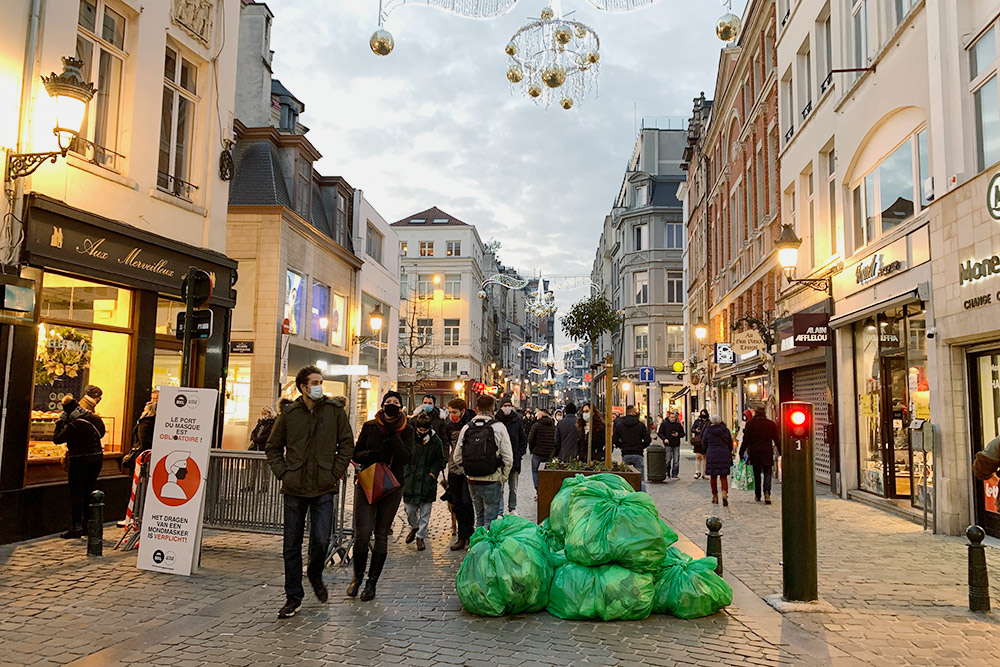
[242,494]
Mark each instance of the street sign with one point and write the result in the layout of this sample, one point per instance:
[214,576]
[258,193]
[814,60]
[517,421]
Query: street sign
[678,366]
[202,324]
[286,327]
[241,347]
[200,283]
[340,369]
[647,374]
[724,354]
[587,377]
[745,342]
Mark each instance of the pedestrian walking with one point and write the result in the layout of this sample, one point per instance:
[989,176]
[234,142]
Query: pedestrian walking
[698,444]
[262,431]
[588,420]
[457,492]
[557,416]
[541,442]
[670,432]
[718,442]
[81,431]
[387,439]
[309,449]
[428,405]
[485,456]
[760,437]
[142,435]
[631,435]
[420,483]
[567,436]
[519,446]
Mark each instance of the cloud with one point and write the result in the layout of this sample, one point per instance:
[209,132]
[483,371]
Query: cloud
[435,123]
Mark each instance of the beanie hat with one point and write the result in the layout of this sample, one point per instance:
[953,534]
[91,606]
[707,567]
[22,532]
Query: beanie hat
[93,391]
[423,420]
[506,401]
[392,394]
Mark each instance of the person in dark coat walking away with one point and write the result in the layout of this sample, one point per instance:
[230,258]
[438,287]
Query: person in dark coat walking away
[262,431]
[541,442]
[718,441]
[591,420]
[308,450]
[458,495]
[420,484]
[670,432]
[760,437]
[698,443]
[428,405]
[567,437]
[631,435]
[519,444]
[81,431]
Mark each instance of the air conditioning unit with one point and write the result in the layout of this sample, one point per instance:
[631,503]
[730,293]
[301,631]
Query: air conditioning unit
[929,188]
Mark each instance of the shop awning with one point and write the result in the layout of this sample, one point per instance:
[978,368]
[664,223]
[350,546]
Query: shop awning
[753,367]
[879,307]
[681,394]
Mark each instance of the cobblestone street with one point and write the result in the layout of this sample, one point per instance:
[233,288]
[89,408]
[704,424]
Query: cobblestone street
[899,598]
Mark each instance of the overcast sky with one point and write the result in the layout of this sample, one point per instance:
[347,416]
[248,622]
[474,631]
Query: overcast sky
[436,124]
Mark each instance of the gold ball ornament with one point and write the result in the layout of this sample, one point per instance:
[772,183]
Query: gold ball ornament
[581,32]
[381,43]
[593,57]
[566,102]
[554,76]
[515,74]
[481,294]
[535,90]
[728,27]
[547,14]
[563,35]
[511,49]
[582,61]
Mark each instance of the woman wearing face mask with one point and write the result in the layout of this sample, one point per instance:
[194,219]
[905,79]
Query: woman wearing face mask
[386,439]
[697,429]
[591,420]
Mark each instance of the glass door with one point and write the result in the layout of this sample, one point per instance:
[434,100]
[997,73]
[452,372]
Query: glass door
[895,428]
[984,391]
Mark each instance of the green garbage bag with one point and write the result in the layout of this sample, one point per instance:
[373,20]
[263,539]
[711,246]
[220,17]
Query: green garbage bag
[608,593]
[559,508]
[610,527]
[507,570]
[553,539]
[689,588]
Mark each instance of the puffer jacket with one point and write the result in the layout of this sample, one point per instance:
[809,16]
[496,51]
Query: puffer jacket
[631,435]
[518,438]
[308,450]
[82,431]
[394,449]
[542,438]
[718,443]
[426,462]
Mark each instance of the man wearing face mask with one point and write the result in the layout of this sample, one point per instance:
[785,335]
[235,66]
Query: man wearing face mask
[458,486]
[427,406]
[309,448]
[519,444]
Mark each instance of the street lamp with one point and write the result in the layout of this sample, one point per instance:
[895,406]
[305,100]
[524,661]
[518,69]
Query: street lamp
[788,257]
[700,330]
[71,95]
[375,319]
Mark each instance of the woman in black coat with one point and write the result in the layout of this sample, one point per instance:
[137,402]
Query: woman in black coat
[718,443]
[262,431]
[697,429]
[386,439]
[81,430]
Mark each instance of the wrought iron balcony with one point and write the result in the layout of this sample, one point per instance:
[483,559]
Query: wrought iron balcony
[827,82]
[174,185]
[807,109]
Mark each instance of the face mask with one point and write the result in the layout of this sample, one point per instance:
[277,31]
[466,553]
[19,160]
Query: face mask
[425,435]
[586,416]
[391,410]
[428,408]
[455,418]
[316,392]
[506,409]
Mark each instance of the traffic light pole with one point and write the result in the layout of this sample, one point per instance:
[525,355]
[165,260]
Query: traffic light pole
[798,503]
[189,304]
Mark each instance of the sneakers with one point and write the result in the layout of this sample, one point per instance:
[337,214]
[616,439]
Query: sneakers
[697,475]
[420,544]
[412,534]
[319,588]
[291,606]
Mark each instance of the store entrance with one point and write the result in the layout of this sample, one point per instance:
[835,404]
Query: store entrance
[984,392]
[896,457]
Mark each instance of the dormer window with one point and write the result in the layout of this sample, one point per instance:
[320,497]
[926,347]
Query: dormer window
[640,195]
[418,221]
[440,221]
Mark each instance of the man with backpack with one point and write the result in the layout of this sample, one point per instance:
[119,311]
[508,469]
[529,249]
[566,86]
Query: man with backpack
[485,455]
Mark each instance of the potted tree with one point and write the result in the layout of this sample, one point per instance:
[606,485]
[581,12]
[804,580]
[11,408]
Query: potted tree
[586,322]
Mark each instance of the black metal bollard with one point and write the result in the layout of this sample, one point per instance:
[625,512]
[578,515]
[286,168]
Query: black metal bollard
[95,525]
[979,579]
[714,547]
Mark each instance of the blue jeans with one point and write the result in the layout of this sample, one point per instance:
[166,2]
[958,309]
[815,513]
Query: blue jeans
[320,511]
[536,461]
[512,490]
[637,462]
[673,466]
[486,499]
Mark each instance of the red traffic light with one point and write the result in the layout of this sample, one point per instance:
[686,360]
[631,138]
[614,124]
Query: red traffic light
[798,418]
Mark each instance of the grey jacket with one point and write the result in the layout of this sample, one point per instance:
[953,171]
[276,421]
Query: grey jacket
[309,450]
[567,439]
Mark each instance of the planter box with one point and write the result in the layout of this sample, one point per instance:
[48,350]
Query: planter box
[550,481]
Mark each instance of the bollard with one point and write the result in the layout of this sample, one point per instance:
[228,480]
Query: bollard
[714,547]
[656,463]
[979,579]
[95,525]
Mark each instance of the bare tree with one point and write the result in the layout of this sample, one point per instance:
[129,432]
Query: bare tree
[416,341]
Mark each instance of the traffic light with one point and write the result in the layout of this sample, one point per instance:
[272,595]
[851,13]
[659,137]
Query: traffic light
[798,502]
[798,420]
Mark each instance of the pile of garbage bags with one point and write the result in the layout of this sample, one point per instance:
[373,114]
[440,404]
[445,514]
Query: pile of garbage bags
[604,553]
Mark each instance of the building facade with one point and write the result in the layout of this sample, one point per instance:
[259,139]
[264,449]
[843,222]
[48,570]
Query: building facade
[97,243]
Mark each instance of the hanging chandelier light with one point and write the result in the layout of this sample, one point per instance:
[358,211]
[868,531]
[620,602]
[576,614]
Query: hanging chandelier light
[553,59]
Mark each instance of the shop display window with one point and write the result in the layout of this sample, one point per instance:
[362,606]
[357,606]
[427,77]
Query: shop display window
[986,426]
[294,300]
[83,339]
[338,322]
[236,420]
[319,322]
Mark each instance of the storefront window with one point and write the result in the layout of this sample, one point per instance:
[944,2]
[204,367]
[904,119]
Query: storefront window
[338,321]
[166,316]
[294,300]
[869,406]
[78,345]
[236,425]
[319,322]
[985,387]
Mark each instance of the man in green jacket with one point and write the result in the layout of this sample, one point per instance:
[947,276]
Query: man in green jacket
[308,450]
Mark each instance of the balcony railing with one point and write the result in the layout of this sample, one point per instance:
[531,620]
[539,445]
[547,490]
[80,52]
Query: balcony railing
[827,82]
[784,19]
[99,155]
[789,134]
[174,185]
[807,109]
